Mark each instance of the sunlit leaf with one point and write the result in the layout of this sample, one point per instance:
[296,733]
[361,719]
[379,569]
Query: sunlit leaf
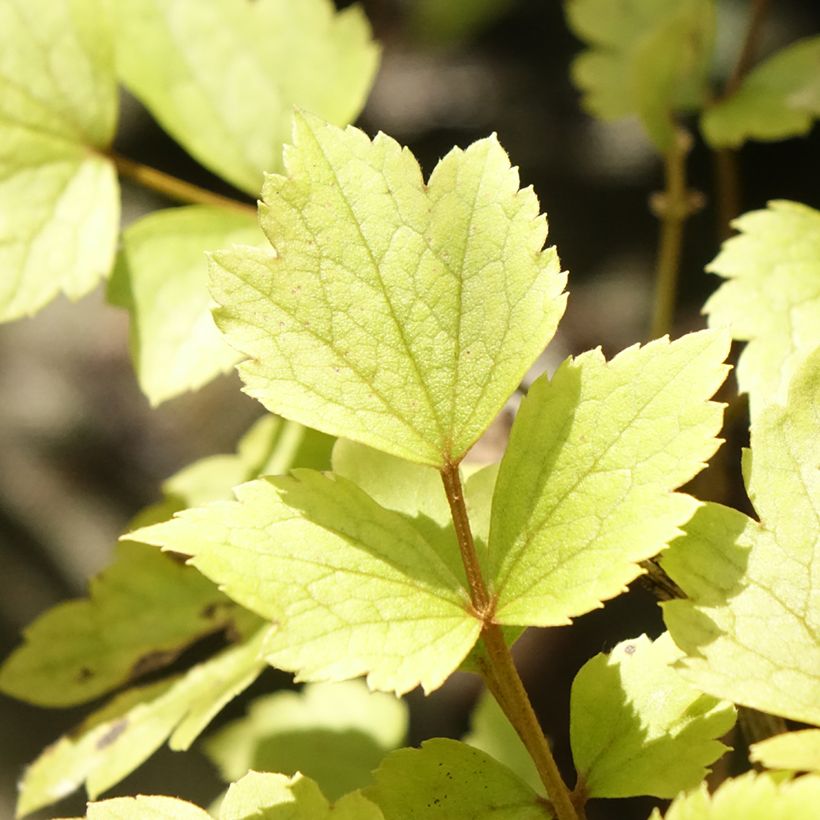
[353,588]
[161,278]
[145,807]
[751,626]
[393,313]
[637,727]
[222,77]
[798,751]
[59,200]
[771,298]
[585,488]
[335,733]
[778,99]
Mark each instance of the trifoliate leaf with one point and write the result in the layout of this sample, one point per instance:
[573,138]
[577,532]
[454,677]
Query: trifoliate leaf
[750,797]
[448,779]
[161,278]
[797,751]
[585,488]
[778,99]
[771,298]
[492,732]
[637,727]
[398,314]
[142,611]
[648,58]
[335,733]
[222,77]
[115,740]
[751,626]
[59,198]
[145,807]
[351,587]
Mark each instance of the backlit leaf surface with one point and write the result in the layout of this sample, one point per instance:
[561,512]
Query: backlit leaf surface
[585,488]
[771,298]
[59,199]
[751,797]
[398,314]
[335,733]
[352,588]
[452,781]
[637,727]
[798,751]
[648,58]
[145,807]
[222,77]
[161,278]
[778,99]
[115,740]
[751,625]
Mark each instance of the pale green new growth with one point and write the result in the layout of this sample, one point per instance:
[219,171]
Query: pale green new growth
[145,807]
[751,626]
[448,780]
[778,99]
[797,751]
[750,797]
[161,278]
[637,727]
[491,732]
[59,199]
[772,297]
[119,737]
[352,588]
[395,313]
[648,58]
[222,76]
[335,733]
[585,489]
[142,611]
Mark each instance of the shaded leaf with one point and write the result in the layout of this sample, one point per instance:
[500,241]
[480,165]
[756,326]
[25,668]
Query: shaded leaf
[353,588]
[771,298]
[222,77]
[58,196]
[335,733]
[585,488]
[393,313]
[648,58]
[637,727]
[448,779]
[161,278]
[116,739]
[778,99]
[751,626]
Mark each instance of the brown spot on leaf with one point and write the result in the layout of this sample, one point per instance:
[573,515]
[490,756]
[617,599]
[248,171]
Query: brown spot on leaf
[85,674]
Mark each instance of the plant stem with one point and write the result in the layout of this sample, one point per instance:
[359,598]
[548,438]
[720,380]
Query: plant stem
[175,188]
[498,669]
[672,207]
[748,50]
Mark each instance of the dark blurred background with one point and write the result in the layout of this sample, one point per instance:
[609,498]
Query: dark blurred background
[81,451]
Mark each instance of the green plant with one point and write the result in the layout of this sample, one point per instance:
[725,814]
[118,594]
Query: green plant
[397,316]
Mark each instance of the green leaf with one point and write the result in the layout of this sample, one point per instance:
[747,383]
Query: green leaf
[353,588]
[222,77]
[455,20]
[335,733]
[115,740]
[142,611]
[751,626]
[750,797]
[448,779]
[58,195]
[798,751]
[648,58]
[491,732]
[778,99]
[161,278]
[145,807]
[585,488]
[637,727]
[393,313]
[771,298]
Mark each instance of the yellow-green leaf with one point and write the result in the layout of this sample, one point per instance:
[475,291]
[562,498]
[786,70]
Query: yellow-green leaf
[796,751]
